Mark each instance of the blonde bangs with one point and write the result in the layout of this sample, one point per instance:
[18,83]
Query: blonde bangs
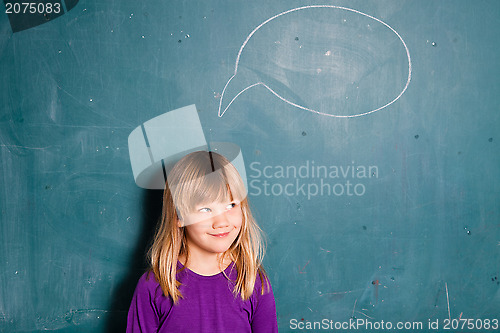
[201,185]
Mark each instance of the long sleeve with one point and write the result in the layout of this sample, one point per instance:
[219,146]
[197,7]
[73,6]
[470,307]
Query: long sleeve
[143,313]
[264,318]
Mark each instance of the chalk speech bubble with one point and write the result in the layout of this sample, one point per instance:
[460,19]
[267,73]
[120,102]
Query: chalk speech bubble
[335,58]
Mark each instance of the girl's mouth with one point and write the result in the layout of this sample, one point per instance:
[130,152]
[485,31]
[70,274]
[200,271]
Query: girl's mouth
[221,235]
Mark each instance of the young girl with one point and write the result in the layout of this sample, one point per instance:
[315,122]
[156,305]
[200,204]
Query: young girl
[206,273]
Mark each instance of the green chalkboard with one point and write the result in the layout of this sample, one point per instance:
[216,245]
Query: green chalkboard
[369,131]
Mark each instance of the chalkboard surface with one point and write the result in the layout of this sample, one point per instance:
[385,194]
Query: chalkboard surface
[370,133]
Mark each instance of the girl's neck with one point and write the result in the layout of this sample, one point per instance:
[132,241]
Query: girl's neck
[206,265]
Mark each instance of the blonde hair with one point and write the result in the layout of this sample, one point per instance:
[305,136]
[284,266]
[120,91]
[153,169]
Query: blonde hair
[202,177]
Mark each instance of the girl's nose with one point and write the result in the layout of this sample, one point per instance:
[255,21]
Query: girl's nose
[220,220]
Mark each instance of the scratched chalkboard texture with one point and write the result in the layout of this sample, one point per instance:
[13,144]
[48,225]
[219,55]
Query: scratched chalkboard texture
[370,132]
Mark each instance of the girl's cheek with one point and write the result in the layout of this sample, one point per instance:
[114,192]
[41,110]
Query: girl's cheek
[235,212]
[197,219]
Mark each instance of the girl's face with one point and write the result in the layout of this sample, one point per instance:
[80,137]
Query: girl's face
[212,228]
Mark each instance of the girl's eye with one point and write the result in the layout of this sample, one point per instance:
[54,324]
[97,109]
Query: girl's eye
[205,210]
[232,205]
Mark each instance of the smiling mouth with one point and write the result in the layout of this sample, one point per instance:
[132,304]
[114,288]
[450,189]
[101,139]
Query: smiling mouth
[221,235]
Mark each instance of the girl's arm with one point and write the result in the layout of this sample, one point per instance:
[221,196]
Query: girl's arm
[143,314]
[264,318]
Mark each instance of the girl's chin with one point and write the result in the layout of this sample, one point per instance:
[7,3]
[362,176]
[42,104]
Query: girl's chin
[221,248]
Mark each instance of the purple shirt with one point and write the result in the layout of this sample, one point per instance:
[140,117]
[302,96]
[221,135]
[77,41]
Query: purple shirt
[208,306]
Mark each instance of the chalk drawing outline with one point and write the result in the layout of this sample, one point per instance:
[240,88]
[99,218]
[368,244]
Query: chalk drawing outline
[300,106]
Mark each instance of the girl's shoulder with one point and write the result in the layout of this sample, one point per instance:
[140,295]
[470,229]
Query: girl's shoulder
[149,284]
[262,283]
[149,289]
[148,278]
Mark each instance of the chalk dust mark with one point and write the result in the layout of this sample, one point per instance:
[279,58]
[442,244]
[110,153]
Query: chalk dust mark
[25,147]
[354,308]
[376,283]
[301,270]
[364,314]
[341,292]
[448,300]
